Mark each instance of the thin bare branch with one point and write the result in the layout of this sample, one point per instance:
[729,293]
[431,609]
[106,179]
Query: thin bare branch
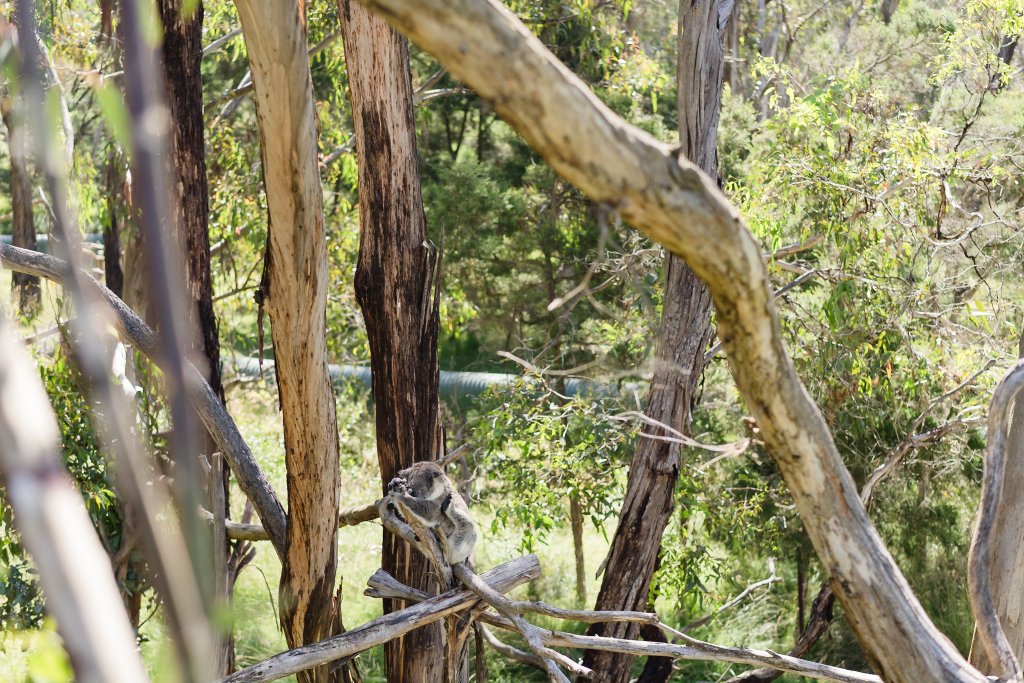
[697,623]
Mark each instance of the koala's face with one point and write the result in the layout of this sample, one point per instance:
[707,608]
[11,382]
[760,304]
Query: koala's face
[423,480]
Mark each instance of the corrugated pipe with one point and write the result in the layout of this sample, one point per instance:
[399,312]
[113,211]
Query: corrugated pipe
[455,385]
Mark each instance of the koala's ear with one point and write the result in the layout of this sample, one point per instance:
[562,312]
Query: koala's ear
[404,474]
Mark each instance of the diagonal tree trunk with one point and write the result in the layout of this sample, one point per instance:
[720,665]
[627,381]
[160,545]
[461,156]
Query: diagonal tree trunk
[182,55]
[682,340]
[294,292]
[393,288]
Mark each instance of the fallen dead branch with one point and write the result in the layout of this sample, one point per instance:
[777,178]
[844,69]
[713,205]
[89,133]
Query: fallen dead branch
[502,578]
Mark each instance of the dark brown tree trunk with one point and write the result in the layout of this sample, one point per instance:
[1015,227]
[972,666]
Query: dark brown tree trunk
[393,286]
[683,338]
[887,8]
[113,276]
[23,229]
[576,519]
[294,292]
[182,55]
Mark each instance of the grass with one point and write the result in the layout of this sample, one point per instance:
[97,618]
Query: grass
[256,631]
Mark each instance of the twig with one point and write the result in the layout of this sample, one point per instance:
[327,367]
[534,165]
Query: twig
[678,437]
[735,601]
[222,41]
[915,440]
[989,629]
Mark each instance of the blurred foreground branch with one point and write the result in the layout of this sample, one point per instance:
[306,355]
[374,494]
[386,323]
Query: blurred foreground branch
[56,529]
[251,478]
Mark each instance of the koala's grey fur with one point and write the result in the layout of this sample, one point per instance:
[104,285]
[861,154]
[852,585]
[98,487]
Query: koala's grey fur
[425,491]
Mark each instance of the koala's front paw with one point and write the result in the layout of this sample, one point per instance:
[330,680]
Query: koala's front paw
[397,485]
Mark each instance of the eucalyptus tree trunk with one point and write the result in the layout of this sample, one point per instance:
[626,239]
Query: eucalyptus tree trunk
[682,340]
[23,229]
[393,287]
[182,55]
[294,292]
[1006,563]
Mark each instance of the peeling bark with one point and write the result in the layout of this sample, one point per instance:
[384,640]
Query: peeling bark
[393,287]
[682,339]
[296,300]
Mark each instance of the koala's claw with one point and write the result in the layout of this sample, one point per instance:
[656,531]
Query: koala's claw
[397,485]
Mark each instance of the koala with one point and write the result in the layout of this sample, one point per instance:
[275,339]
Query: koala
[425,491]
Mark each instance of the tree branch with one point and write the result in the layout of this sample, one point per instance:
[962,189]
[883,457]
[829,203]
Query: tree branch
[55,527]
[251,478]
[382,585]
[502,578]
[989,629]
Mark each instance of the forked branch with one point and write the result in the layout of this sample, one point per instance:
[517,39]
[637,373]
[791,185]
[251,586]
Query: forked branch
[502,578]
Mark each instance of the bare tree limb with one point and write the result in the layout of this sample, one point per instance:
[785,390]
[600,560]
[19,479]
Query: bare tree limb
[502,578]
[505,607]
[697,650]
[989,629]
[513,653]
[383,585]
[251,478]
[735,601]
